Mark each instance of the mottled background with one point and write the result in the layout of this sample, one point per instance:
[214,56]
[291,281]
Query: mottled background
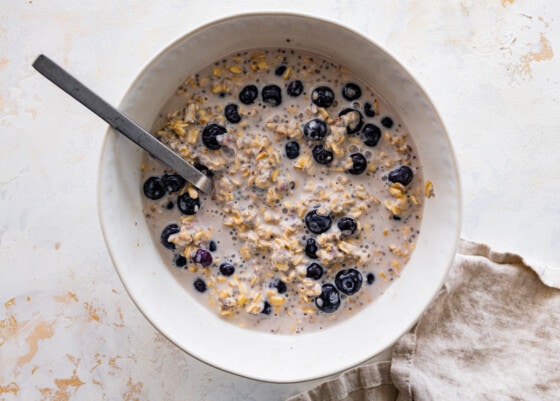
[69,331]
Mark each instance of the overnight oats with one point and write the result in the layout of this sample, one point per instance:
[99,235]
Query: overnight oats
[317,198]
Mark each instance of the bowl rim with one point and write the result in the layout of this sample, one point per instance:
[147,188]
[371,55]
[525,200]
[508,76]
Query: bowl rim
[336,24]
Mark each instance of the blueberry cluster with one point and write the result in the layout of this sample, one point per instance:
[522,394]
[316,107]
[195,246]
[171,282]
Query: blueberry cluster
[203,258]
[155,188]
[316,129]
[347,281]
[271,95]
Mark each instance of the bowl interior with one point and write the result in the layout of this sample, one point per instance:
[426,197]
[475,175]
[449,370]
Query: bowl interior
[170,308]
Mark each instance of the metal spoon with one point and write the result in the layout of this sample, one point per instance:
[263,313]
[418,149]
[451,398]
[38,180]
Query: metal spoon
[121,122]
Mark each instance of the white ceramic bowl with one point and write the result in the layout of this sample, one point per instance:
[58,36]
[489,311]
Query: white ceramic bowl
[263,356]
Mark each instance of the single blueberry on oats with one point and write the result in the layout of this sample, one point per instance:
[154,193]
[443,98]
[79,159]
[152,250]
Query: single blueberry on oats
[372,134]
[387,122]
[317,223]
[280,70]
[248,94]
[370,278]
[369,111]
[311,248]
[204,170]
[315,129]
[295,88]
[231,113]
[329,300]
[212,246]
[292,149]
[167,231]
[267,308]
[279,285]
[347,225]
[323,96]
[314,271]
[227,269]
[180,261]
[199,285]
[403,175]
[355,120]
[359,164]
[172,182]
[351,91]
[210,135]
[322,155]
[153,189]
[202,258]
[272,95]
[188,205]
[348,281]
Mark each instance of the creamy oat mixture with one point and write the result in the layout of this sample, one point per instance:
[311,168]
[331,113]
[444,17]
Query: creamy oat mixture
[317,198]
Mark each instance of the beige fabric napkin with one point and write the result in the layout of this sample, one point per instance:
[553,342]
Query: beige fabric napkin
[492,333]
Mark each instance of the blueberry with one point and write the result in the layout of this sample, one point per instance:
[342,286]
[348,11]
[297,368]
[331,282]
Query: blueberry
[292,149]
[167,231]
[204,170]
[323,96]
[280,70]
[267,308]
[212,247]
[232,114]
[314,271]
[372,134]
[295,88]
[387,122]
[227,269]
[402,175]
[369,111]
[180,261]
[322,155]
[279,285]
[169,205]
[272,95]
[359,164]
[172,182]
[210,135]
[347,225]
[153,189]
[315,129]
[248,94]
[351,91]
[311,248]
[370,278]
[199,285]
[317,223]
[348,281]
[202,258]
[329,300]
[188,205]
[356,120]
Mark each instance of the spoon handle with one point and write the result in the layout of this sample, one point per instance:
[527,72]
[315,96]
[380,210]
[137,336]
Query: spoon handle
[121,122]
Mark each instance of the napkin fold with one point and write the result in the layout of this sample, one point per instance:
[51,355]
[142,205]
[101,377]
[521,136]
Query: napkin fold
[492,333]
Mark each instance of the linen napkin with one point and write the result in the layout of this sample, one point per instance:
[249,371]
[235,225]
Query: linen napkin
[492,333]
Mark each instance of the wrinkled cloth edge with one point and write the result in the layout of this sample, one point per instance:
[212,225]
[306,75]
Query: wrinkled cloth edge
[361,378]
[404,351]
[548,275]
